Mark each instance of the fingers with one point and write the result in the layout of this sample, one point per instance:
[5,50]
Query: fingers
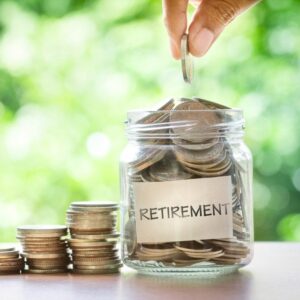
[210,19]
[175,19]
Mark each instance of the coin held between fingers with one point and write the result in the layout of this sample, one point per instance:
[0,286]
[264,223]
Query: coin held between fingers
[186,60]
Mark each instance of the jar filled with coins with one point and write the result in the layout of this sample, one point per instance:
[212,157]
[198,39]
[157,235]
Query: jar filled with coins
[186,185]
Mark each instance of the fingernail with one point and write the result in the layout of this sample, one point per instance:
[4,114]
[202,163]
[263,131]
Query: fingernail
[202,41]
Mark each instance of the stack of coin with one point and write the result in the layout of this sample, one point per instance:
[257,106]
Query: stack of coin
[10,261]
[94,237]
[185,141]
[44,248]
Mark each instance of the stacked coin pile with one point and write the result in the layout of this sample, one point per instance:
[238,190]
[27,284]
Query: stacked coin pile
[94,237]
[195,147]
[10,261]
[44,248]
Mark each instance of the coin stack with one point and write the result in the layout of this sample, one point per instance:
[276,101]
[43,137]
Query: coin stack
[44,248]
[195,147]
[94,238]
[10,261]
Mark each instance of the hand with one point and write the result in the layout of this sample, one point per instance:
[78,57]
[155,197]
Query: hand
[209,20]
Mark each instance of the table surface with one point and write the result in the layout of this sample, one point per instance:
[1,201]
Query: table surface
[273,274]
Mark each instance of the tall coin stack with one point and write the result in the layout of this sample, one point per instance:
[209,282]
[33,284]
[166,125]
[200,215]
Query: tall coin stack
[94,237]
[10,261]
[44,248]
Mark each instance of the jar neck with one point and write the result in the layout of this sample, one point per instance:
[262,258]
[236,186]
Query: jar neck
[191,126]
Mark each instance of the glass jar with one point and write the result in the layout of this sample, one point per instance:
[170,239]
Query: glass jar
[186,187]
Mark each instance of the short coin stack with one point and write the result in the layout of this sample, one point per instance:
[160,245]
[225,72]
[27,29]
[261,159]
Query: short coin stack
[94,238]
[44,248]
[10,261]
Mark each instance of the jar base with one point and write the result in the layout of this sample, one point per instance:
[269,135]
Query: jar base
[207,270]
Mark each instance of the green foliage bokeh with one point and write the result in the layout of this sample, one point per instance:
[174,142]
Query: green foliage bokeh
[70,69]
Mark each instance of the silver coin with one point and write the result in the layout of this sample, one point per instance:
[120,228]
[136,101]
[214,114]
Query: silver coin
[42,228]
[210,104]
[194,122]
[187,66]
[130,236]
[168,169]
[6,248]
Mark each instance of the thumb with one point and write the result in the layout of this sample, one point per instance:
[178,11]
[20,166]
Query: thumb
[210,19]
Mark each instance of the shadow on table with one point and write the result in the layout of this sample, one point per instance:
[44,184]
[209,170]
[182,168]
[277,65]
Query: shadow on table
[173,287]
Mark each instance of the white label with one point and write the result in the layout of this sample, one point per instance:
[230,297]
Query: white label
[183,210]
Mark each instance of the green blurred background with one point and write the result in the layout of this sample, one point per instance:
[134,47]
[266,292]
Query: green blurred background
[70,69]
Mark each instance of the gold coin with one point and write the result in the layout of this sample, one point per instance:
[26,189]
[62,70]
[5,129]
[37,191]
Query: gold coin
[83,264]
[89,243]
[50,271]
[40,240]
[95,258]
[15,261]
[10,272]
[97,237]
[44,255]
[91,231]
[104,267]
[96,272]
[95,254]
[41,266]
[13,253]
[11,267]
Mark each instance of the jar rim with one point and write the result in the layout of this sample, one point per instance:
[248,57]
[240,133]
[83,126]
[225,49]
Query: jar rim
[172,124]
[237,110]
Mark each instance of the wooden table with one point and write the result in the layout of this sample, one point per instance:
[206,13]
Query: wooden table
[273,274]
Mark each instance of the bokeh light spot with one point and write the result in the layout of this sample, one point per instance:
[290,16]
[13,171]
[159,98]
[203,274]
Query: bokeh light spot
[98,145]
[289,227]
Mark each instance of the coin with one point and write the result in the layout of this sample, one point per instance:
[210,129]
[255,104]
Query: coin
[199,251]
[147,161]
[31,229]
[9,272]
[42,271]
[94,252]
[10,253]
[186,60]
[17,262]
[91,205]
[5,249]
[160,252]
[168,169]
[96,263]
[210,104]
[88,243]
[96,237]
[100,267]
[44,255]
[194,121]
[96,271]
[130,241]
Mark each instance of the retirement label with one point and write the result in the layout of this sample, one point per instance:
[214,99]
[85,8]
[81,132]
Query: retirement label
[183,210]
